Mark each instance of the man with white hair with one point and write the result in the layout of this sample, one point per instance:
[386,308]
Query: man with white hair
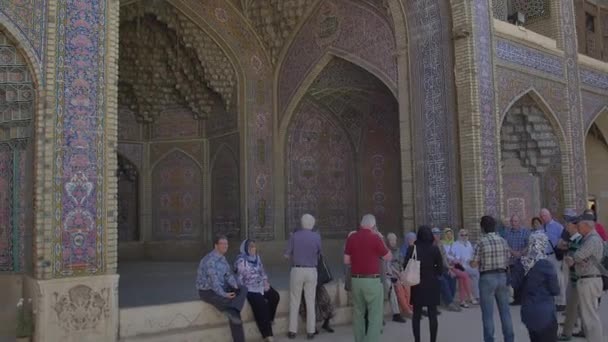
[554,230]
[303,250]
[589,280]
[363,249]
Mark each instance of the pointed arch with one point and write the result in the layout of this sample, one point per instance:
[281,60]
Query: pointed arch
[547,110]
[603,110]
[171,151]
[226,194]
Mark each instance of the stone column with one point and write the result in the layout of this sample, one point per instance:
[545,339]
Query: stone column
[74,285]
[477,113]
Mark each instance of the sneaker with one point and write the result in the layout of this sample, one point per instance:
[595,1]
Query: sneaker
[474,302]
[564,338]
[291,335]
[453,308]
[398,318]
[310,336]
[464,305]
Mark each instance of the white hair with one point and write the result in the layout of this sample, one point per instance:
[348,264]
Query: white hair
[308,221]
[368,221]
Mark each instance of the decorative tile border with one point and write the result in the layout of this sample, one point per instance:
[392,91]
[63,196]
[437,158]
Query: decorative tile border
[594,79]
[488,120]
[518,54]
[78,235]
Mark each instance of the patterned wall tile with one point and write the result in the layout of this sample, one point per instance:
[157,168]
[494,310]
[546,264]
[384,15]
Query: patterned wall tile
[594,78]
[30,17]
[518,54]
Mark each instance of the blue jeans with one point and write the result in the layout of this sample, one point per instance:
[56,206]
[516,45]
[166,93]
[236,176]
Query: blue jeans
[493,286]
[447,286]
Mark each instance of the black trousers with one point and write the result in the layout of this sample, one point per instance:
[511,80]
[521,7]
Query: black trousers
[433,323]
[516,292]
[264,307]
[223,304]
[549,334]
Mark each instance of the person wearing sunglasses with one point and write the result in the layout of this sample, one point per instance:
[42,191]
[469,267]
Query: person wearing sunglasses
[463,251]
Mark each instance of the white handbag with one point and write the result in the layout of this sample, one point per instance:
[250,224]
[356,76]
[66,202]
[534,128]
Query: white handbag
[411,275]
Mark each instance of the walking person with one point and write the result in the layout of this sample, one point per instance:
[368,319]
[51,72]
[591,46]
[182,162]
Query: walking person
[427,292]
[492,259]
[217,286]
[589,282]
[517,239]
[303,250]
[363,249]
[534,277]
[262,298]
[554,230]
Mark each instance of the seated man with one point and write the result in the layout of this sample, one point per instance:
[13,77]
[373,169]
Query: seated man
[216,285]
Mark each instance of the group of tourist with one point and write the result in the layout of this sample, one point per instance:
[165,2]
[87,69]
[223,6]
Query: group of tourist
[546,269]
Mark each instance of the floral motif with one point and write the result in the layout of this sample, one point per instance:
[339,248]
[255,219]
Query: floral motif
[81,308]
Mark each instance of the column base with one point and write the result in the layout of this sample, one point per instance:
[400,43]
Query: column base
[75,309]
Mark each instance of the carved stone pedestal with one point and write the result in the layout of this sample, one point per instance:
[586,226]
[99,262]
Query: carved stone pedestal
[75,309]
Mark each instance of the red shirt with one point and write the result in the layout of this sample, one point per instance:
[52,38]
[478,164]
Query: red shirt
[365,249]
[601,231]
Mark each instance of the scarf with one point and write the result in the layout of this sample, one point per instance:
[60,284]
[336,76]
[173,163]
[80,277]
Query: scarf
[537,247]
[409,237]
[252,259]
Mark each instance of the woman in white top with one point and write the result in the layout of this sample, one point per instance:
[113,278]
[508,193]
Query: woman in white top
[463,251]
[464,281]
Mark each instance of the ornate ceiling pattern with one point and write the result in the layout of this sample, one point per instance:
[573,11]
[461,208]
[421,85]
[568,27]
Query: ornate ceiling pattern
[275,20]
[170,62]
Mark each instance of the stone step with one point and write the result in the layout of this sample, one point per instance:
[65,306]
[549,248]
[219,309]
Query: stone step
[198,321]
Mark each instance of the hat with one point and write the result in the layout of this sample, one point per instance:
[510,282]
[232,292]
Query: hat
[586,217]
[570,216]
[436,231]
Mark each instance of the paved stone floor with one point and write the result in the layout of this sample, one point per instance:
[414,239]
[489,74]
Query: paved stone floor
[453,327]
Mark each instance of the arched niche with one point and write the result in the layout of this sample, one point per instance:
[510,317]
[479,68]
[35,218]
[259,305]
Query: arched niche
[532,146]
[17,113]
[225,194]
[176,198]
[596,155]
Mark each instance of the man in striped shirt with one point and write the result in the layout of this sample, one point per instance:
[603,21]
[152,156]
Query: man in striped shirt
[492,258]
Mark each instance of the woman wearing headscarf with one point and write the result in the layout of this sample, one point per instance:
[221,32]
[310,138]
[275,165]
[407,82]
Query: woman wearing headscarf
[408,240]
[426,293]
[262,298]
[536,279]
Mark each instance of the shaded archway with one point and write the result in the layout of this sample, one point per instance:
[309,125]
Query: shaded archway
[596,152]
[128,200]
[342,152]
[531,151]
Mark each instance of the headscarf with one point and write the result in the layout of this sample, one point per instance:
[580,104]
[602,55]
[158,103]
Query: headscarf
[252,259]
[537,247]
[394,249]
[409,237]
[425,236]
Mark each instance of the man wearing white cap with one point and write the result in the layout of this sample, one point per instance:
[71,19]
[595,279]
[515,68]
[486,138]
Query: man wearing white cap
[303,249]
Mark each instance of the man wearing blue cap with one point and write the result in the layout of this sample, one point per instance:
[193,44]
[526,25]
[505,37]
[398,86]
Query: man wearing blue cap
[589,277]
[571,241]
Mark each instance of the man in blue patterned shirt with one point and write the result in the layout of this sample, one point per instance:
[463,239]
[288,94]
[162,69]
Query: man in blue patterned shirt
[216,285]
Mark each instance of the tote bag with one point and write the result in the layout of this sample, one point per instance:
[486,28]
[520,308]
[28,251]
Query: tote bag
[411,275]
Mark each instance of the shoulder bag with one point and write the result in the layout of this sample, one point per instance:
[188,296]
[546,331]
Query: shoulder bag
[411,275]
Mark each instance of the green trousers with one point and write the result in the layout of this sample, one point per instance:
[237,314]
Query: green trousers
[368,296]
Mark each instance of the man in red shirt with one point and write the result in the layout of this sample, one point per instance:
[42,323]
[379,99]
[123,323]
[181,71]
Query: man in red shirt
[363,251]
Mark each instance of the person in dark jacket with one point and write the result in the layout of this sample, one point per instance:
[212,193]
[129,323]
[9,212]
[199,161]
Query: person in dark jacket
[536,279]
[426,294]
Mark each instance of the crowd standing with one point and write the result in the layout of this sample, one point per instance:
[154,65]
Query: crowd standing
[547,268]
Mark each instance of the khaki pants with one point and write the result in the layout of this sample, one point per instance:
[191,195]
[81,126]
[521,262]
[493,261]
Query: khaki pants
[302,278]
[572,309]
[589,294]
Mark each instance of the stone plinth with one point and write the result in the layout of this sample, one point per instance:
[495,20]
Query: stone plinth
[75,309]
